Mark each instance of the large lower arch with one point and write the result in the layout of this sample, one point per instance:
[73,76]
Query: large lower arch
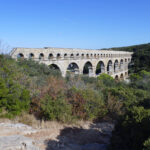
[109,67]
[55,68]
[116,66]
[73,67]
[100,68]
[87,69]
[116,78]
[121,64]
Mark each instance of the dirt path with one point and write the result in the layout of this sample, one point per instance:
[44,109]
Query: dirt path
[85,136]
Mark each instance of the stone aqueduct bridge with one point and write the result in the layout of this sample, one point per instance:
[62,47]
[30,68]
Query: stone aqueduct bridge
[79,61]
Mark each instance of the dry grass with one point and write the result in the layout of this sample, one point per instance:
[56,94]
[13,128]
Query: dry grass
[30,120]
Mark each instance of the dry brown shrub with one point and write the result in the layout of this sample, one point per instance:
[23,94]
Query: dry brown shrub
[54,87]
[114,106]
[27,119]
[78,103]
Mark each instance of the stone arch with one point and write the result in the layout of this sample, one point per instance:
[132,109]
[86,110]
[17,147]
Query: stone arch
[31,56]
[50,56]
[116,65]
[129,59]
[121,64]
[71,55]
[109,67]
[91,55]
[94,55]
[77,54]
[87,69]
[82,55]
[65,55]
[126,74]
[55,67]
[41,56]
[87,55]
[58,56]
[73,67]
[116,78]
[125,60]
[100,68]
[122,77]
[20,55]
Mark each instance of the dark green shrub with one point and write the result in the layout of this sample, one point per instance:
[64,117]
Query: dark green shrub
[147,144]
[57,109]
[13,99]
[131,132]
[106,79]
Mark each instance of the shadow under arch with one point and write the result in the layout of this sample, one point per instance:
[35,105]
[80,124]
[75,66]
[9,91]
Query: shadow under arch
[121,64]
[121,76]
[20,56]
[31,56]
[117,78]
[55,68]
[87,67]
[116,65]
[73,67]
[109,67]
[100,68]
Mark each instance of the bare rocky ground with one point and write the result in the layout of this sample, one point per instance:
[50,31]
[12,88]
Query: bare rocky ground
[55,136]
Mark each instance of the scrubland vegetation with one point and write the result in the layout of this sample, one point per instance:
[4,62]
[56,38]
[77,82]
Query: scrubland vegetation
[27,87]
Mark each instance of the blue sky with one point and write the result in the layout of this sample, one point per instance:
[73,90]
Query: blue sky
[74,23]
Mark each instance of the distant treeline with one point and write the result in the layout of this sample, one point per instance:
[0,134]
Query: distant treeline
[141,56]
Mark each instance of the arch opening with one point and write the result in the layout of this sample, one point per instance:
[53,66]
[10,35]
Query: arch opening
[129,59]
[82,55]
[55,69]
[20,55]
[73,67]
[121,64]
[109,67]
[77,54]
[121,76]
[31,56]
[41,56]
[50,56]
[116,66]
[65,55]
[87,55]
[87,69]
[116,78]
[71,55]
[58,56]
[100,68]
[126,74]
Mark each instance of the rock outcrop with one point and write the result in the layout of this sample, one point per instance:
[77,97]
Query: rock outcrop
[17,142]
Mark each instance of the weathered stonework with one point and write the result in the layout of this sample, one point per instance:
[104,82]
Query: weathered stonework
[111,62]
